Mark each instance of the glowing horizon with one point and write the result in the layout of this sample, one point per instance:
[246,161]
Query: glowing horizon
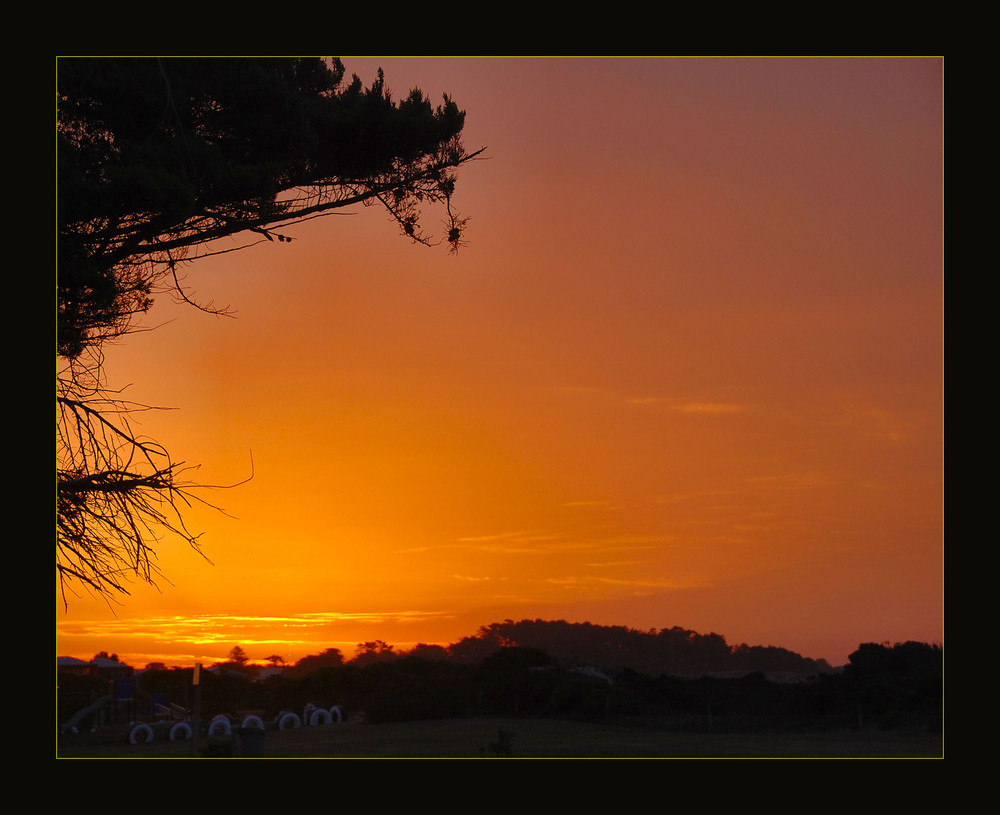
[687,372]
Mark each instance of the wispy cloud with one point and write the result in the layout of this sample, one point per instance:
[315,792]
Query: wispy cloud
[674,404]
[695,495]
[634,583]
[711,408]
[794,481]
[875,422]
[651,400]
[518,537]
[560,542]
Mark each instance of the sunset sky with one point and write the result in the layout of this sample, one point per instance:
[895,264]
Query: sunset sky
[687,372]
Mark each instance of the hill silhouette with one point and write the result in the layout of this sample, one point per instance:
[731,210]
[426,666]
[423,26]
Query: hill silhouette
[675,651]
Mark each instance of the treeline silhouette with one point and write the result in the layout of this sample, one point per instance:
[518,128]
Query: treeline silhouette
[675,651]
[539,668]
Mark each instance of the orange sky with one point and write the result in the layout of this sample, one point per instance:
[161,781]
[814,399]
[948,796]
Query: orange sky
[688,371]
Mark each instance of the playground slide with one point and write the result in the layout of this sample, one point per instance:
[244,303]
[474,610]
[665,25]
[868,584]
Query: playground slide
[78,717]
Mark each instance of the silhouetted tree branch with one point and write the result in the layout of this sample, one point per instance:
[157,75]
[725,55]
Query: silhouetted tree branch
[159,161]
[116,492]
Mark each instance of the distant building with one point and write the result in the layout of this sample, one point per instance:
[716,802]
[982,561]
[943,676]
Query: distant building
[72,665]
[101,667]
[224,669]
[266,672]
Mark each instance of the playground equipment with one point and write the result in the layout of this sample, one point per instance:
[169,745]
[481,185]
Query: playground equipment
[102,719]
[77,719]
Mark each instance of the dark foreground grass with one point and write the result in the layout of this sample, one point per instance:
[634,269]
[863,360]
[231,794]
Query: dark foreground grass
[543,738]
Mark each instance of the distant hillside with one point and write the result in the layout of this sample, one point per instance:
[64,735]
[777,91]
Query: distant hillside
[674,651]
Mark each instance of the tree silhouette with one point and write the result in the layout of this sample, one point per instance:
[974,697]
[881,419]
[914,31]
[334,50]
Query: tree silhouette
[373,651]
[165,161]
[238,656]
[330,658]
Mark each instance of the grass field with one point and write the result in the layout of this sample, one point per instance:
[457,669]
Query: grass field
[543,738]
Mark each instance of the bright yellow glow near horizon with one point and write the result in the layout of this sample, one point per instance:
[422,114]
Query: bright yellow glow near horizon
[687,372]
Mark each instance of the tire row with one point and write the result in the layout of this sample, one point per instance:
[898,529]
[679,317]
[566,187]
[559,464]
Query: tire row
[221,725]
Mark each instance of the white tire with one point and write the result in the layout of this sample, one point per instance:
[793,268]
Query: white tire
[181,730]
[320,716]
[219,727]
